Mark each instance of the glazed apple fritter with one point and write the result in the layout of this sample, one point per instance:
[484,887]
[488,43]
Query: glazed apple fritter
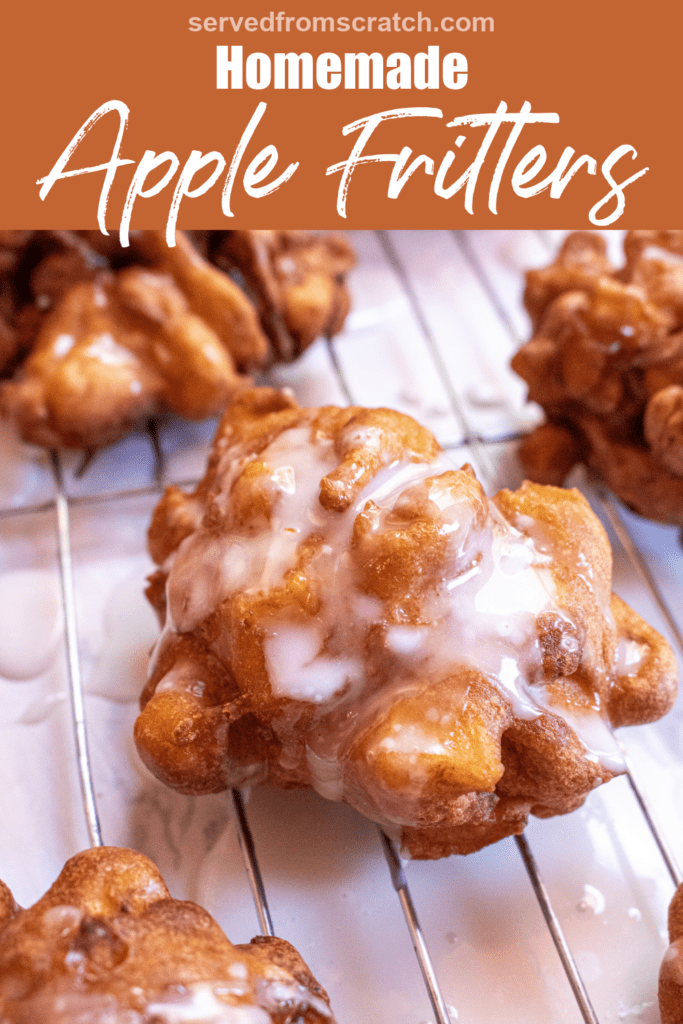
[107,943]
[95,339]
[606,363]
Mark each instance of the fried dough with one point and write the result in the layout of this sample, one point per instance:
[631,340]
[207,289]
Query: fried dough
[606,364]
[108,945]
[95,339]
[671,971]
[343,608]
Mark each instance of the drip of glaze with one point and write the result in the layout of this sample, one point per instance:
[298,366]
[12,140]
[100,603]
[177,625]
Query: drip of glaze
[485,395]
[203,1007]
[130,631]
[481,615]
[32,624]
[629,657]
[39,710]
[673,959]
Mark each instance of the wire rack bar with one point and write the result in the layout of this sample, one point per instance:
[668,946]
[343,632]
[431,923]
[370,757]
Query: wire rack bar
[159,462]
[471,438]
[400,884]
[251,864]
[635,556]
[75,684]
[60,504]
[633,553]
[98,498]
[341,376]
[484,464]
[391,854]
[643,803]
[189,483]
[561,944]
[478,269]
[244,833]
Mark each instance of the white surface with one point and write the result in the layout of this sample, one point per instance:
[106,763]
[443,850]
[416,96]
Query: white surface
[325,876]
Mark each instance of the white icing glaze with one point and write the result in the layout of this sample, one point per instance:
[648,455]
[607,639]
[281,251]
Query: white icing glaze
[62,345]
[130,627]
[673,958]
[217,1003]
[107,350]
[481,614]
[600,742]
[405,639]
[218,566]
[274,992]
[182,679]
[63,919]
[629,657]
[513,587]
[31,616]
[202,1006]
[592,900]
[298,669]
[485,394]
[326,775]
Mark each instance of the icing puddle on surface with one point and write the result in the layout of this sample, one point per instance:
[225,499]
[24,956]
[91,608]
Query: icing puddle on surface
[327,884]
[325,876]
[32,621]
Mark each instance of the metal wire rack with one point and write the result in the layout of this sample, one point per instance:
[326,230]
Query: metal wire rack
[447,362]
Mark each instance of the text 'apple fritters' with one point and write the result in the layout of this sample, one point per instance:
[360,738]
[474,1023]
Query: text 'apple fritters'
[606,364]
[108,945]
[343,608]
[96,338]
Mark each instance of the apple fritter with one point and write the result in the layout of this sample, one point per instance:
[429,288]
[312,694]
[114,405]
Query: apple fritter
[606,363]
[108,943]
[344,608]
[671,971]
[95,338]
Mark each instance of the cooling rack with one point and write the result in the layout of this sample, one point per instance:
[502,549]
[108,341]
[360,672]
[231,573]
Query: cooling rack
[566,923]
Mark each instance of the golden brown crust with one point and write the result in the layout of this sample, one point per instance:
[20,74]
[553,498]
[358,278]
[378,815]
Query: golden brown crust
[633,699]
[96,338]
[675,917]
[8,907]
[606,363]
[107,942]
[671,971]
[663,427]
[212,296]
[549,452]
[297,278]
[582,259]
[343,608]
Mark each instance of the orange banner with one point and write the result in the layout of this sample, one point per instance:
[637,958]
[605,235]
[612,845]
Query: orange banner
[206,114]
